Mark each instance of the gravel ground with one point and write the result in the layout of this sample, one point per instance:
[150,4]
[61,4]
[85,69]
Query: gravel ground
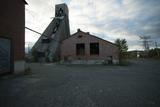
[52,85]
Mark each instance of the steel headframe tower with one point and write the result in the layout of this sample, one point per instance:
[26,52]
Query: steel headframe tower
[47,48]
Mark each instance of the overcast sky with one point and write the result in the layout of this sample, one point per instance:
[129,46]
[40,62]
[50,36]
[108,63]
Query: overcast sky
[107,19]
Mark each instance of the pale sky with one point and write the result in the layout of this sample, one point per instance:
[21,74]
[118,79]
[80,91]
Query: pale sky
[107,19]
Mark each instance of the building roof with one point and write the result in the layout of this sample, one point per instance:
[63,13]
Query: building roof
[90,35]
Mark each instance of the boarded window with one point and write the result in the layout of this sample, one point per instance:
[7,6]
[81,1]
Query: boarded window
[94,48]
[80,36]
[41,54]
[80,49]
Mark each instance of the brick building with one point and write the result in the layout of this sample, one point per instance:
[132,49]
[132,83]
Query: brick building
[12,35]
[82,47]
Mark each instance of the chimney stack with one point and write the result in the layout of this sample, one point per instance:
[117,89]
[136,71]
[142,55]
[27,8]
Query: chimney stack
[78,30]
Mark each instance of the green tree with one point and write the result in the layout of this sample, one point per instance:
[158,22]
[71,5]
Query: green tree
[123,47]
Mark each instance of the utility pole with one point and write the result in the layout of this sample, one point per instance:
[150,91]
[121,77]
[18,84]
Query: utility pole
[28,44]
[145,40]
[156,45]
[156,48]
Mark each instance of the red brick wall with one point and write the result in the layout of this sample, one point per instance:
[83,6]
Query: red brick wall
[68,47]
[12,23]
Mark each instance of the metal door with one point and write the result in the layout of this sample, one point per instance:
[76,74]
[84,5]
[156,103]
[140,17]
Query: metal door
[5,55]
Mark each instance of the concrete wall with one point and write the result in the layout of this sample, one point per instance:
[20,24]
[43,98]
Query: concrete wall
[68,48]
[12,23]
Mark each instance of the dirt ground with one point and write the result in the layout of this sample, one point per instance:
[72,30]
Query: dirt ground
[54,85]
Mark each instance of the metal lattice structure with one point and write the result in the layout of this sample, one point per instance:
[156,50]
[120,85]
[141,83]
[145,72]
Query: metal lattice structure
[145,40]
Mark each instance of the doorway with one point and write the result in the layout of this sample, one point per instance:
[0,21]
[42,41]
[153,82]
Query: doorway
[5,55]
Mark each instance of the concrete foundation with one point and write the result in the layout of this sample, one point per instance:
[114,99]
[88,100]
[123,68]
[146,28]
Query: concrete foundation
[19,66]
[89,62]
